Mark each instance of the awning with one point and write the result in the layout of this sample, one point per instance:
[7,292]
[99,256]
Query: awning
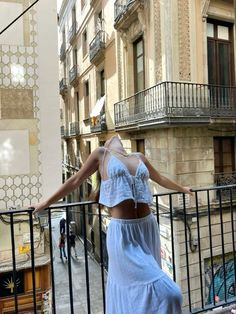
[98,107]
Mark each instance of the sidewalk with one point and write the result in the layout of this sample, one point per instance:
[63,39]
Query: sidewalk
[78,280]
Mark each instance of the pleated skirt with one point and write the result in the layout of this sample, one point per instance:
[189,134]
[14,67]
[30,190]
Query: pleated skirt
[136,284]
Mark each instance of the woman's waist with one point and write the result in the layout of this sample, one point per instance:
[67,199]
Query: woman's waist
[129,210]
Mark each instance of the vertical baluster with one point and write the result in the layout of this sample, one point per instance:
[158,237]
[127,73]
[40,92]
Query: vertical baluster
[51,262]
[172,236]
[186,252]
[32,259]
[211,247]
[69,262]
[86,260]
[222,243]
[101,258]
[232,229]
[199,250]
[14,262]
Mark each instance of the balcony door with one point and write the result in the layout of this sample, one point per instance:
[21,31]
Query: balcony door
[220,64]
[224,155]
[139,77]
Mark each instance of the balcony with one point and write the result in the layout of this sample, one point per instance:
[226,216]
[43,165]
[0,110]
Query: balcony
[63,87]
[64,132]
[197,249]
[74,75]
[222,179]
[63,51]
[74,128]
[174,103]
[97,48]
[72,32]
[126,12]
[98,124]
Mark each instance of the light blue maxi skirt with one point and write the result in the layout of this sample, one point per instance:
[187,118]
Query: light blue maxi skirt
[136,284]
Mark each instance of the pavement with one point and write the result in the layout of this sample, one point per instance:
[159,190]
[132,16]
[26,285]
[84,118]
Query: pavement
[62,293]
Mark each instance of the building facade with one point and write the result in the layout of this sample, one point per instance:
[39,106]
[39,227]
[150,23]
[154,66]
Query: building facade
[30,156]
[166,70]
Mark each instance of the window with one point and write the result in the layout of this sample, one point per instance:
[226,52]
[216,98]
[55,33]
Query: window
[102,83]
[98,22]
[73,14]
[86,100]
[139,84]
[75,60]
[224,154]
[85,43]
[140,146]
[220,53]
[77,105]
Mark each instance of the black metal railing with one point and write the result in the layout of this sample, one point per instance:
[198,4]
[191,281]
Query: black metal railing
[97,44]
[74,128]
[98,124]
[64,131]
[120,7]
[73,73]
[198,248]
[177,101]
[63,86]
[72,31]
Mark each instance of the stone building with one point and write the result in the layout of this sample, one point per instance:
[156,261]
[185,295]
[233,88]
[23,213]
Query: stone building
[30,156]
[166,70]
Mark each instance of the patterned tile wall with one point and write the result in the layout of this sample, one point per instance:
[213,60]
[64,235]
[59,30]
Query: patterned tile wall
[21,190]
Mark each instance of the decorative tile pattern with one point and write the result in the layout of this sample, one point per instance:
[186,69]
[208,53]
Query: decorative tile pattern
[157,27]
[184,40]
[19,70]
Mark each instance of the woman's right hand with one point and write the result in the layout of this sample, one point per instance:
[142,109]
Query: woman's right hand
[38,208]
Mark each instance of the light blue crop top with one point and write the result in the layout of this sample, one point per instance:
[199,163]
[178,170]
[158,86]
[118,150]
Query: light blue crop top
[121,185]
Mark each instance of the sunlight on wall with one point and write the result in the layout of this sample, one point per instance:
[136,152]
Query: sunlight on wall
[14,152]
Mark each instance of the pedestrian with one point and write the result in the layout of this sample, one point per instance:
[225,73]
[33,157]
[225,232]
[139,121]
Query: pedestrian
[62,244]
[136,282]
[72,242]
[62,225]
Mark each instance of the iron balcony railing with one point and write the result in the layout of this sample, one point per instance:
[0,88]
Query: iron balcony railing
[97,45]
[98,124]
[120,7]
[64,131]
[198,249]
[74,128]
[176,102]
[63,86]
[73,73]
[72,31]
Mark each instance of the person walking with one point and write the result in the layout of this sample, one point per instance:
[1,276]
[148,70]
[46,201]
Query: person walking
[63,225]
[136,283]
[62,244]
[72,242]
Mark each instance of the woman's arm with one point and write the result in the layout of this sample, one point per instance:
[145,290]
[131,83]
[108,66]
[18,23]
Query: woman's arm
[89,167]
[162,180]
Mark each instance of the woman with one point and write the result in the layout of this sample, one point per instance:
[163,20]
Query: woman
[136,283]
[62,243]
